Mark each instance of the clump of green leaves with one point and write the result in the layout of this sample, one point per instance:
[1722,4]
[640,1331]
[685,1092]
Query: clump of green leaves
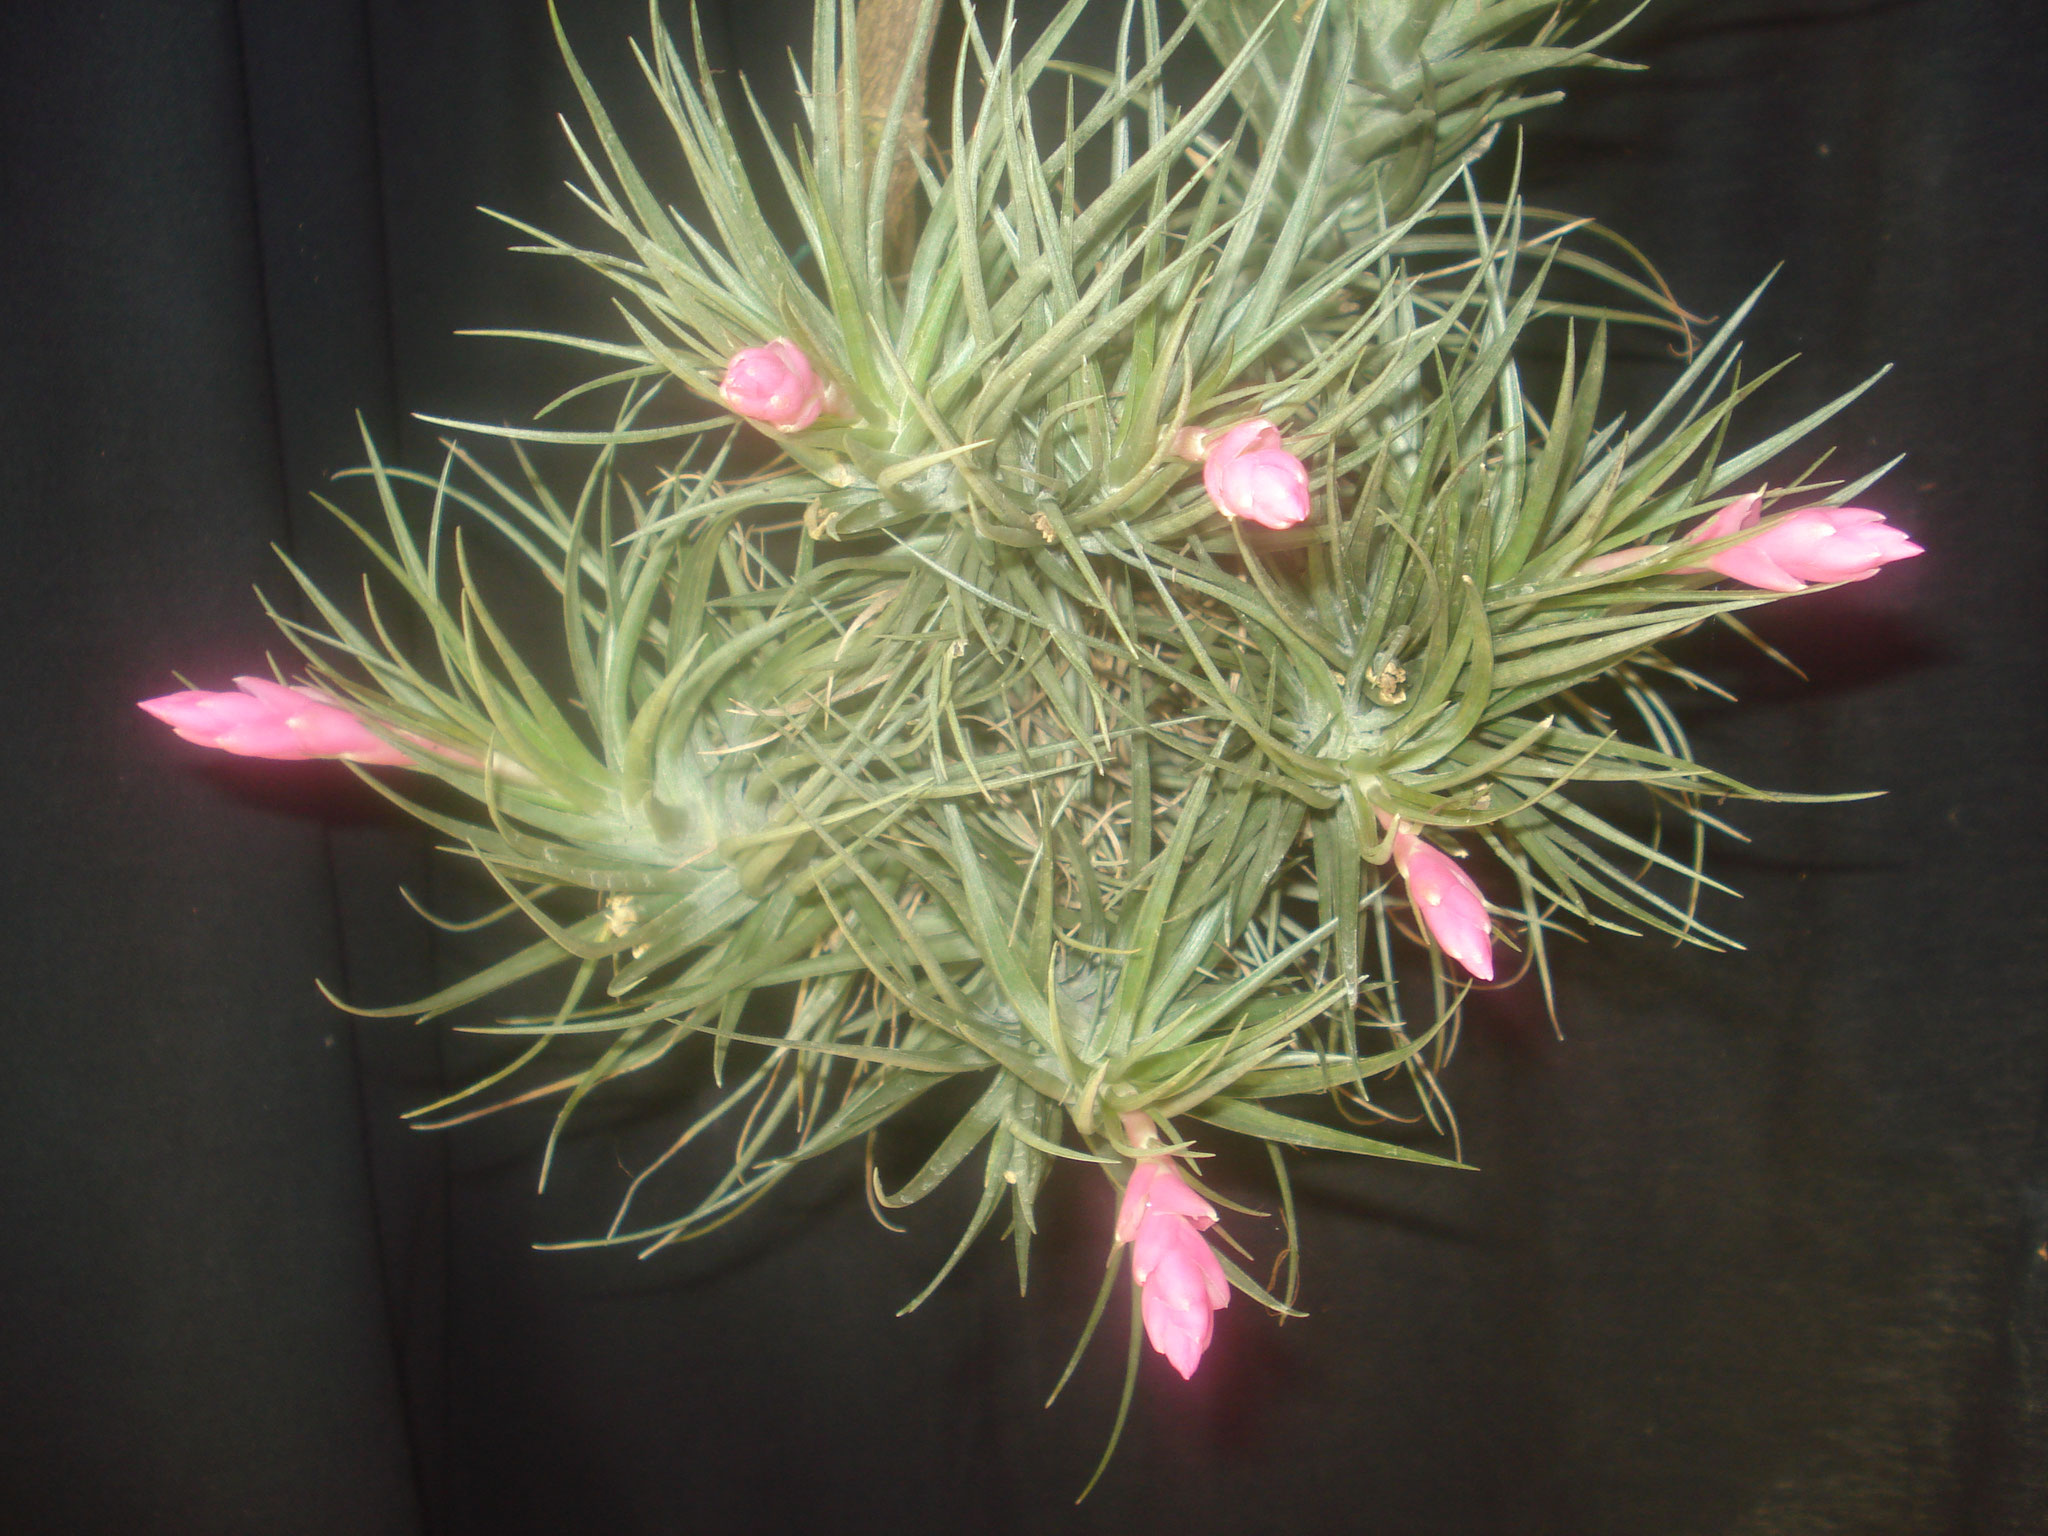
[965,740]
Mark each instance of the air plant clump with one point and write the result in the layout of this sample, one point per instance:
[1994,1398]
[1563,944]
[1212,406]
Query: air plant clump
[983,737]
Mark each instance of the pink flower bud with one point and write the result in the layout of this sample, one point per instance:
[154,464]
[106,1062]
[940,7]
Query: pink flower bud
[1182,1290]
[1446,899]
[268,719]
[775,386]
[1181,1283]
[1811,545]
[1249,475]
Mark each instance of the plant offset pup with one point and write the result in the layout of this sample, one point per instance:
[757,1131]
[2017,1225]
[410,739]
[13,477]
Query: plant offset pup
[982,737]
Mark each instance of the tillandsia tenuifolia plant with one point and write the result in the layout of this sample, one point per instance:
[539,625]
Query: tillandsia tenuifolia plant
[1168,660]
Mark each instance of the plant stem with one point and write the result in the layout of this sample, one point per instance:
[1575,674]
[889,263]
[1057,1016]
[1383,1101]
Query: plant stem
[893,40]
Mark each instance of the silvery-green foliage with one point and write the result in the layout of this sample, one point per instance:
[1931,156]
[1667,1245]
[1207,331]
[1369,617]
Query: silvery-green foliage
[965,740]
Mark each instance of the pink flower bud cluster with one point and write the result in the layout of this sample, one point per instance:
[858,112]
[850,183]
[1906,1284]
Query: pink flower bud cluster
[268,719]
[1248,474]
[1807,547]
[1181,1284]
[776,387]
[1811,545]
[1447,899]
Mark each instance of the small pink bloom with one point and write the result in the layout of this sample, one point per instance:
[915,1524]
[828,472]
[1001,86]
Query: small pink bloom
[1183,1289]
[1181,1283]
[776,386]
[1248,474]
[1447,900]
[1811,545]
[268,719]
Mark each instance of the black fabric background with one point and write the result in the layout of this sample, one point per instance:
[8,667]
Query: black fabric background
[1761,1247]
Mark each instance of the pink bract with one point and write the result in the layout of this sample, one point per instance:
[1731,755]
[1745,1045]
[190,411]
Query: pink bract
[1616,559]
[268,719]
[1156,1185]
[1249,475]
[1812,545]
[1448,901]
[774,386]
[1181,1283]
[1183,1289]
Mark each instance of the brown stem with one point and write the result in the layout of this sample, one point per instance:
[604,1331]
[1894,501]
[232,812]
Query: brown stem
[891,43]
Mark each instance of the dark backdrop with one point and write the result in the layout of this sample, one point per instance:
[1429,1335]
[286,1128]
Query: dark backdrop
[1761,1247]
